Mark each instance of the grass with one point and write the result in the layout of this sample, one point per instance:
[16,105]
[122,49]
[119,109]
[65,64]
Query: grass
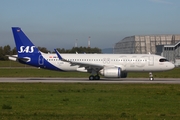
[175,73]
[85,101]
[34,72]
[89,101]
[12,64]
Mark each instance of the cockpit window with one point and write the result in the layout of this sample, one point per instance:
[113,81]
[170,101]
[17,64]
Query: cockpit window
[163,60]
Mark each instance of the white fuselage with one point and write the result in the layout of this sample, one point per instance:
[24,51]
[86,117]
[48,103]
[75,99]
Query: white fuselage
[127,62]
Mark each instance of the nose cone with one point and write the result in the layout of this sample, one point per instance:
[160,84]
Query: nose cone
[171,66]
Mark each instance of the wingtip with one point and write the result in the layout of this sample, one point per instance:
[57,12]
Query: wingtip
[15,27]
[55,50]
[58,54]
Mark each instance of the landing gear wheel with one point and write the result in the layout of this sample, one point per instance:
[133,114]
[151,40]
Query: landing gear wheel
[151,78]
[91,77]
[97,77]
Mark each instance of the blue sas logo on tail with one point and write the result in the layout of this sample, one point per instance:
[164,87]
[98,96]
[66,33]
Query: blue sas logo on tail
[27,49]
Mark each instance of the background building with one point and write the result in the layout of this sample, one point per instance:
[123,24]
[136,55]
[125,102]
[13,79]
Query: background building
[164,45]
[143,44]
[171,52]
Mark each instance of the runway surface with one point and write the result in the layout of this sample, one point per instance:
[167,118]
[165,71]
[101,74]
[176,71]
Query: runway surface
[85,80]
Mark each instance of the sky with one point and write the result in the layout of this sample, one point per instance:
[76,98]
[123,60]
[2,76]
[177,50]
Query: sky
[58,23]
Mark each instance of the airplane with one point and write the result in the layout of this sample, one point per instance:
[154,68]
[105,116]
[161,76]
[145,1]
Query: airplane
[107,65]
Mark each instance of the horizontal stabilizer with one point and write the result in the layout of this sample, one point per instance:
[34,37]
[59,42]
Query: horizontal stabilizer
[15,58]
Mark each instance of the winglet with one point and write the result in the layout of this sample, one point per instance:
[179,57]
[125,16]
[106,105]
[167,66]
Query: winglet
[58,54]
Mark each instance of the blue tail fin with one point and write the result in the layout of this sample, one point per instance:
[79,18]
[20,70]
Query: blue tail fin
[25,48]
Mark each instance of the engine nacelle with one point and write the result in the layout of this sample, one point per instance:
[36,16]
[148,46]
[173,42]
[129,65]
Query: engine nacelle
[111,72]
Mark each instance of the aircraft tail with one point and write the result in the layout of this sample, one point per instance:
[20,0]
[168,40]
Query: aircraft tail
[25,48]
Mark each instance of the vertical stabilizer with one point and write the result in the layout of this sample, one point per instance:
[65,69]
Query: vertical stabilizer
[25,48]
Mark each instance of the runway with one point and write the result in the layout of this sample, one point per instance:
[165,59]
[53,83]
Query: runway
[85,80]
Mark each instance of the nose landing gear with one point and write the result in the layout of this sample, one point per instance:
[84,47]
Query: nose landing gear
[151,78]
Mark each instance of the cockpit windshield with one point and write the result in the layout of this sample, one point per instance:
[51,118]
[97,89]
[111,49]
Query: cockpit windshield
[163,60]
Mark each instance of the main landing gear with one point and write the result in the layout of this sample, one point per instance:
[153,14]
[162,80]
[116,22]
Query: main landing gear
[94,74]
[92,77]
[151,76]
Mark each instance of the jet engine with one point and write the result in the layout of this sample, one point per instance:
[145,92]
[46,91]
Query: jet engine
[114,72]
[111,72]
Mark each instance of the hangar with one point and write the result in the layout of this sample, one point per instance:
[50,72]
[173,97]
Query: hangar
[164,45]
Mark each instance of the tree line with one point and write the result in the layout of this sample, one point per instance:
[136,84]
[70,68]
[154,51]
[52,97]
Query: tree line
[7,50]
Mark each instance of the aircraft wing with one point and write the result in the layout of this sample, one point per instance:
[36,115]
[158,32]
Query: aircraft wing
[81,64]
[86,64]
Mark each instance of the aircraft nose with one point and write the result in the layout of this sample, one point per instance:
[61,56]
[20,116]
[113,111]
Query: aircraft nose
[172,66]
